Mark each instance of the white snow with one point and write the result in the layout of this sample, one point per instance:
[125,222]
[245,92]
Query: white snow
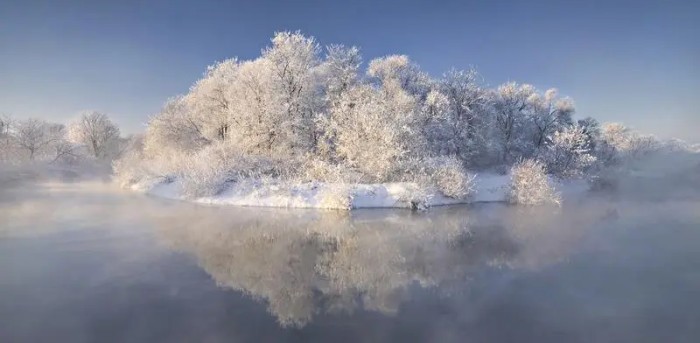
[488,188]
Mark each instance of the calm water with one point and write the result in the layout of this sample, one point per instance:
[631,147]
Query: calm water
[84,262]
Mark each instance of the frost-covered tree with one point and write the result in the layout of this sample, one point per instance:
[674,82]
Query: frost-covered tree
[264,106]
[32,136]
[569,154]
[433,115]
[510,104]
[294,60]
[340,70]
[210,101]
[176,127]
[466,116]
[619,143]
[259,125]
[379,125]
[398,72]
[591,128]
[618,136]
[372,135]
[549,114]
[60,149]
[339,73]
[6,124]
[96,132]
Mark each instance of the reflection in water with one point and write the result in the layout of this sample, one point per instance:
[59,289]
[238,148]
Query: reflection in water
[86,262]
[303,263]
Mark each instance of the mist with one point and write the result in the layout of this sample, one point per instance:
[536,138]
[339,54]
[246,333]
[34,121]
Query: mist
[625,251]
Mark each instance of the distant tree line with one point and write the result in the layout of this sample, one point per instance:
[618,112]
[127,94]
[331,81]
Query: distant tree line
[91,136]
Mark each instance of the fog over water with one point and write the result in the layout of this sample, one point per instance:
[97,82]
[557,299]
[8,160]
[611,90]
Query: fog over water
[87,262]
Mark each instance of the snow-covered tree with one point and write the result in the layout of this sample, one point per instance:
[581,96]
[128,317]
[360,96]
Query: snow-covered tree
[591,127]
[264,106]
[6,124]
[340,70]
[339,73]
[376,126]
[96,132]
[294,60]
[617,136]
[210,100]
[549,114]
[398,72]
[60,149]
[32,136]
[569,154]
[372,136]
[619,143]
[466,116]
[432,118]
[176,127]
[510,105]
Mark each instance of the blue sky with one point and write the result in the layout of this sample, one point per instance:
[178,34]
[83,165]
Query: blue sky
[632,61]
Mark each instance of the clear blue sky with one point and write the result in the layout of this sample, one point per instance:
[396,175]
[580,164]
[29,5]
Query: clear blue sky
[631,61]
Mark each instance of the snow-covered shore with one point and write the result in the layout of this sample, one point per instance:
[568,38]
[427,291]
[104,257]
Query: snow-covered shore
[487,188]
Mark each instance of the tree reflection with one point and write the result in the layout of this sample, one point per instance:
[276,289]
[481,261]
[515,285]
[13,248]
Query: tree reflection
[301,263]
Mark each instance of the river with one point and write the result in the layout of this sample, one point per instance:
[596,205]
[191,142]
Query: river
[86,262]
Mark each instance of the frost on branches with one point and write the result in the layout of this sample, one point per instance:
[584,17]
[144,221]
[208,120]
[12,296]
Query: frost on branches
[303,115]
[569,153]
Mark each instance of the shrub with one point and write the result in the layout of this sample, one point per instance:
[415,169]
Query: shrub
[530,185]
[128,170]
[451,179]
[445,173]
[206,172]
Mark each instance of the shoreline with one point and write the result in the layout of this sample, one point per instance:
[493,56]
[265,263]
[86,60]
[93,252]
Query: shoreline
[488,188]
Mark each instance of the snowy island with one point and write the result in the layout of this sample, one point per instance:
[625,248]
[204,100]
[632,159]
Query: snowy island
[302,127]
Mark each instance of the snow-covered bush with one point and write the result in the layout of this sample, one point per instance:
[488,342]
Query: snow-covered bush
[444,173]
[129,169]
[206,172]
[530,185]
[450,177]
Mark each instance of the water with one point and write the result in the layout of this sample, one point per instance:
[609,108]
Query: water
[84,262]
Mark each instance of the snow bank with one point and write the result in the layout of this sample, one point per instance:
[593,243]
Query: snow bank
[488,188]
